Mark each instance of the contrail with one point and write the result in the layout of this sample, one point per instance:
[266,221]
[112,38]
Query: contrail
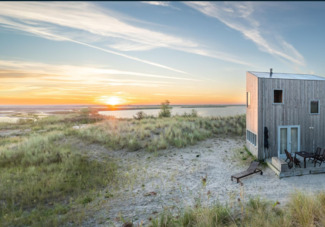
[112,52]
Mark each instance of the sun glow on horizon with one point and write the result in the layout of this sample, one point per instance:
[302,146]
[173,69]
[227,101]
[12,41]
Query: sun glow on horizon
[112,100]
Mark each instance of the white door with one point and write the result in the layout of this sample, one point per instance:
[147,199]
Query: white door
[289,139]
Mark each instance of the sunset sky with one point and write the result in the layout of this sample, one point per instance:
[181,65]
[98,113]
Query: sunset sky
[147,52]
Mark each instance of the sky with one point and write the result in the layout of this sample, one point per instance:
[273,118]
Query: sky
[137,53]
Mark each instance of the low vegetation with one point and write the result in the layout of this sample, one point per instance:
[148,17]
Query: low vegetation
[155,134]
[301,210]
[46,178]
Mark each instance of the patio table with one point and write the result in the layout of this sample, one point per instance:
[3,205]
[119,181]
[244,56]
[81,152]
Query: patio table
[305,155]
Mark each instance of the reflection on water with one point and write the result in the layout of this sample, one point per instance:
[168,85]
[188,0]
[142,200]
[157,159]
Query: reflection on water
[203,112]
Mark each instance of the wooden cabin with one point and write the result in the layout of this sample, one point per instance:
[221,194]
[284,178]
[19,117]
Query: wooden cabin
[284,111]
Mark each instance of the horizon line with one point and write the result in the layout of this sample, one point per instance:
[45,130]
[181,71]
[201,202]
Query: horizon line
[233,104]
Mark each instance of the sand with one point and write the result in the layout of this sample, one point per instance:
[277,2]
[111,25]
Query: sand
[9,119]
[173,179]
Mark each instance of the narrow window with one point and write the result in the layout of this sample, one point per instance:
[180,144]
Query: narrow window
[314,107]
[248,99]
[251,137]
[278,97]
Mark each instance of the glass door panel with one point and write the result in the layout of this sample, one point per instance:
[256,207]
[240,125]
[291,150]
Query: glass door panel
[283,140]
[289,139]
[294,140]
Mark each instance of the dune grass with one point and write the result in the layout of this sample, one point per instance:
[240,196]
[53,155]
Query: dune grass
[301,210]
[45,178]
[161,133]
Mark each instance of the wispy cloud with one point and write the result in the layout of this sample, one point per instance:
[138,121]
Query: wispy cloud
[85,23]
[87,17]
[73,71]
[240,17]
[49,34]
[216,54]
[156,3]
[161,3]
[163,94]
[21,79]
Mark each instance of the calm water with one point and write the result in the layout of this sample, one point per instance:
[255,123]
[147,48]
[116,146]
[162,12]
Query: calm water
[6,112]
[204,112]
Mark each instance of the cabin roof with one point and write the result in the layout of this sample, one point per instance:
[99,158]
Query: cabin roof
[292,76]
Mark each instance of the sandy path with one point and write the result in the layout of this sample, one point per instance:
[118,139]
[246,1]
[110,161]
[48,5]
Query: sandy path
[172,179]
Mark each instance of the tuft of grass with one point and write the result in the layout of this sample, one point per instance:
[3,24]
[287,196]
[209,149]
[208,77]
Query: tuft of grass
[258,212]
[216,215]
[87,199]
[307,210]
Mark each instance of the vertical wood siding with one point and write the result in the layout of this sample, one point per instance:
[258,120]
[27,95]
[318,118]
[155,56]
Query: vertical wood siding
[295,110]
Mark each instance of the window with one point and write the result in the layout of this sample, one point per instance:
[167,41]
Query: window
[278,97]
[314,107]
[251,137]
[248,99]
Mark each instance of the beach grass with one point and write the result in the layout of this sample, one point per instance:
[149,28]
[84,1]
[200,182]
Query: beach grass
[161,133]
[46,176]
[301,210]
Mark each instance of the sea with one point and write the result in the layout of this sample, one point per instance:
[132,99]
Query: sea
[212,111]
[13,113]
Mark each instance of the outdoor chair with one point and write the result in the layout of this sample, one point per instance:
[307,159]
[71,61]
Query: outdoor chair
[317,153]
[291,160]
[319,158]
[251,170]
[287,155]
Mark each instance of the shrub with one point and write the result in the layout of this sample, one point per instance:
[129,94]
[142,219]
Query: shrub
[165,109]
[139,115]
[192,114]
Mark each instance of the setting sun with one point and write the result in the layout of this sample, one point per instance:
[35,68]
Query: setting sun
[113,100]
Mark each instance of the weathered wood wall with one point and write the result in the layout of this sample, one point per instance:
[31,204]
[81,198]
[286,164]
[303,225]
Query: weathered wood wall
[295,110]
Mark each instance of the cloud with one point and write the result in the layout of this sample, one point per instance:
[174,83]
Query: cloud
[38,80]
[163,94]
[160,3]
[85,23]
[240,17]
[130,46]
[156,3]
[47,33]
[38,69]
[87,17]
[217,55]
